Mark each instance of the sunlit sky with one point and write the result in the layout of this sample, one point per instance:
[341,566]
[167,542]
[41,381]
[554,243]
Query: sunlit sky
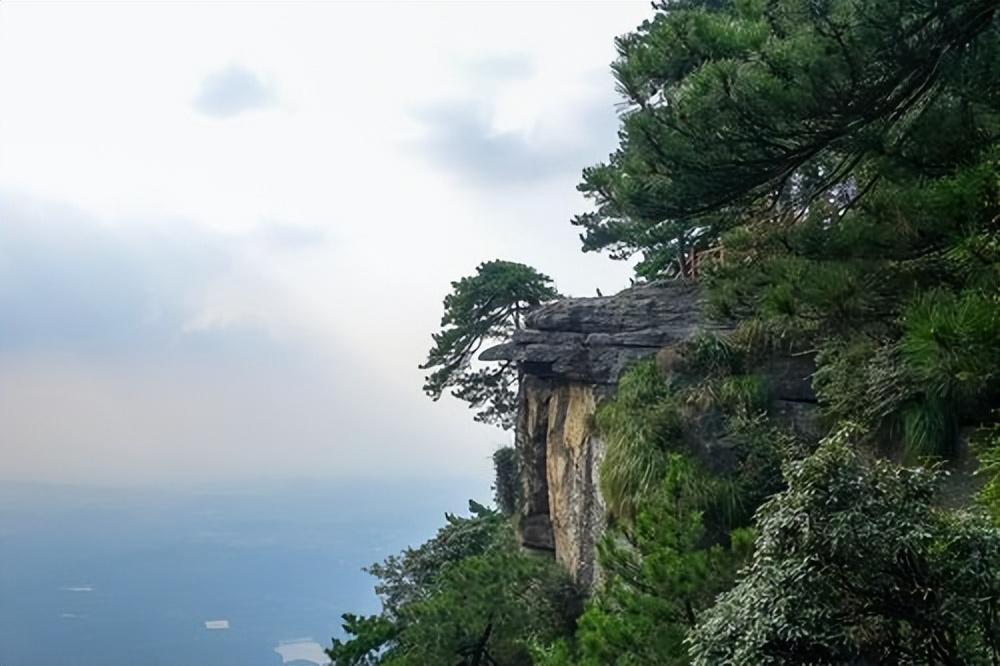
[226,229]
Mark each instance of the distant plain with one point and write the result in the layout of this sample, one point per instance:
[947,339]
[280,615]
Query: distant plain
[118,577]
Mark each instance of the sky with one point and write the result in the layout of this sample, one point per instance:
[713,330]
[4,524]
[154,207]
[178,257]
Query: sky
[226,229]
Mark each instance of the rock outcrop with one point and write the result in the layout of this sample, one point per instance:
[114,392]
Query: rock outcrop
[591,340]
[571,353]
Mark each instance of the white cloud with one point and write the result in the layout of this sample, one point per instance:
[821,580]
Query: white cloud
[232,91]
[326,228]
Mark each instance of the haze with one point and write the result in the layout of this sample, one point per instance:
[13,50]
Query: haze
[226,230]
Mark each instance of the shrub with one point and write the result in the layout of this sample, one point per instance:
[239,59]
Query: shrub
[854,563]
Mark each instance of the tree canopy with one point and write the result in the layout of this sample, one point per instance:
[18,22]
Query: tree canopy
[742,111]
[467,596]
[481,309]
[854,563]
[839,158]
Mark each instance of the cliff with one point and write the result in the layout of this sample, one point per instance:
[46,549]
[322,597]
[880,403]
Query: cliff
[571,354]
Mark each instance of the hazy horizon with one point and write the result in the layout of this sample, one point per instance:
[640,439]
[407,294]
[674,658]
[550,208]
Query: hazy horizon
[226,229]
[102,577]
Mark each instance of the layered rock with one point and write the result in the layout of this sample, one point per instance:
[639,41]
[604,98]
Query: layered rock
[571,353]
[591,340]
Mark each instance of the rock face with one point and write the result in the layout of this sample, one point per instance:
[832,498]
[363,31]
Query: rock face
[591,340]
[571,353]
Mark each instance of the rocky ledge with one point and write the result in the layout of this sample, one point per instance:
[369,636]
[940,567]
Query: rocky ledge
[592,340]
[571,354]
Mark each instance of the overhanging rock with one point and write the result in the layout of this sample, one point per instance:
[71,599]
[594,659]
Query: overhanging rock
[571,353]
[591,340]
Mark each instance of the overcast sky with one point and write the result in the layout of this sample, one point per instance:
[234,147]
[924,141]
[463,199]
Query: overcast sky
[226,230]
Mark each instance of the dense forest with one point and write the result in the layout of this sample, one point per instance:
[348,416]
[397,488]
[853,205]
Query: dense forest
[826,170]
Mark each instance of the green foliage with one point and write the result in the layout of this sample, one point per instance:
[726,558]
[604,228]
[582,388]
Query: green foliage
[466,594]
[929,429]
[987,444]
[861,380]
[507,484]
[492,606]
[743,395]
[641,424]
[652,416]
[708,355]
[673,545]
[950,344]
[942,370]
[855,564]
[482,309]
[751,110]
[757,447]
[404,578]
[369,636]
[841,157]
[658,577]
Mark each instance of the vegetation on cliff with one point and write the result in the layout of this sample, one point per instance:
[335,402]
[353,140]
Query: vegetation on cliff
[855,563]
[835,164]
[481,309]
[828,171]
[468,595]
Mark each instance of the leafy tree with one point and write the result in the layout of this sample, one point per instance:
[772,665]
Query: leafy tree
[468,594]
[404,578]
[488,609]
[369,636]
[841,158]
[855,564]
[409,577]
[949,344]
[481,309]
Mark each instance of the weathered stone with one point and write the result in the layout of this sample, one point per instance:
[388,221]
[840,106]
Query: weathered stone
[592,340]
[574,455]
[530,438]
[669,305]
[789,377]
[571,354]
[536,532]
[799,417]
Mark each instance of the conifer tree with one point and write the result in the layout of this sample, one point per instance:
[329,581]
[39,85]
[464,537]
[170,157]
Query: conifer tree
[481,309]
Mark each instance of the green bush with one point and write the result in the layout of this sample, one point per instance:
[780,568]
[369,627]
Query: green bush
[640,425]
[469,593]
[658,576]
[855,564]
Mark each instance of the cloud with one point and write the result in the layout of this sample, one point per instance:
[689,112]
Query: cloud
[461,136]
[253,295]
[501,67]
[151,351]
[232,91]
[70,284]
[518,120]
[74,285]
